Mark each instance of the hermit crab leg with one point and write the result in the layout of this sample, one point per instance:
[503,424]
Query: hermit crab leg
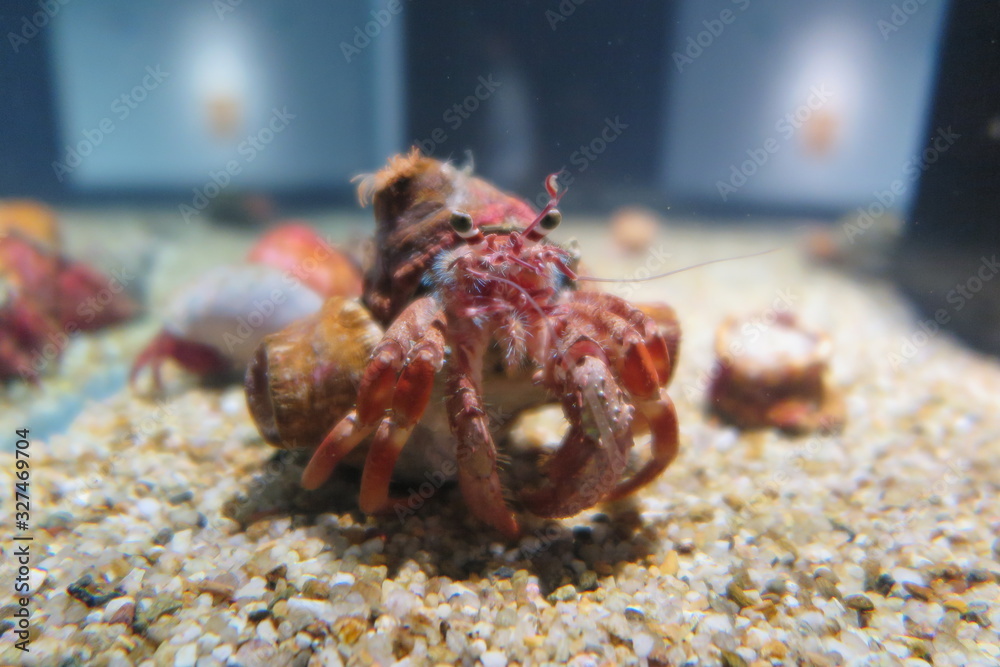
[477,453]
[192,356]
[633,353]
[376,393]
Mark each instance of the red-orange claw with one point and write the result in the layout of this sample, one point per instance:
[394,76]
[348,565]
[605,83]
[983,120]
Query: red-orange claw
[416,382]
[344,437]
[378,385]
[639,374]
[388,443]
[660,356]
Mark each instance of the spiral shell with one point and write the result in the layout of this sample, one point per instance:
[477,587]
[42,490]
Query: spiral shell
[304,379]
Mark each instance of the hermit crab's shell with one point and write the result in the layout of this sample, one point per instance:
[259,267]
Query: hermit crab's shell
[414,197]
[301,252]
[304,379]
[232,308]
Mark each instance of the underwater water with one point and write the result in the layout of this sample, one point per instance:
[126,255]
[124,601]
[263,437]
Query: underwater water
[741,255]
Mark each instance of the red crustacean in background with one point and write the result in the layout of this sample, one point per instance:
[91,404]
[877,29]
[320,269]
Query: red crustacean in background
[212,326]
[465,282]
[774,376]
[46,297]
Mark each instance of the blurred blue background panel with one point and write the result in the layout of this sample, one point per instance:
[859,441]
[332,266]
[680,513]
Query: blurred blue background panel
[798,104]
[161,95]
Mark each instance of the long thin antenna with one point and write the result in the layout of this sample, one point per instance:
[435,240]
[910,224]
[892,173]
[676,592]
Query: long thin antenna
[670,273]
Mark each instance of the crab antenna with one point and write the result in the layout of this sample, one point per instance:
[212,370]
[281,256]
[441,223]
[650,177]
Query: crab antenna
[670,273]
[531,232]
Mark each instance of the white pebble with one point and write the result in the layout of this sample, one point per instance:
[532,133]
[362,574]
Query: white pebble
[266,631]
[222,653]
[186,656]
[254,589]
[904,575]
[132,583]
[36,578]
[112,607]
[320,610]
[343,578]
[180,542]
[493,659]
[208,641]
[147,507]
[642,644]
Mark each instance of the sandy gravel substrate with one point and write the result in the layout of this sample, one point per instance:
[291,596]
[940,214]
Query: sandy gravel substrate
[875,547]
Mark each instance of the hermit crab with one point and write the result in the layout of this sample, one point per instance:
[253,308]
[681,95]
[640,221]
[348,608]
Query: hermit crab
[213,324]
[46,298]
[467,303]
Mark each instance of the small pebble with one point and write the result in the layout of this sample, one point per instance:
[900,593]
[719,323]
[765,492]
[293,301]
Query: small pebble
[736,593]
[493,659]
[920,592]
[186,656]
[884,584]
[563,594]
[182,497]
[254,589]
[859,603]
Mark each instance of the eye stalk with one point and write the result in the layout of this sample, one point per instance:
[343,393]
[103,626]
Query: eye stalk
[549,220]
[462,223]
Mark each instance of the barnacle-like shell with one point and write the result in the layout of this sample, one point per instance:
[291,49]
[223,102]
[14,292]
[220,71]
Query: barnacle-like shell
[774,375]
[232,308]
[304,379]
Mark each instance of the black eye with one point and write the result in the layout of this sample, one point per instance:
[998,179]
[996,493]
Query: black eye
[551,220]
[461,222]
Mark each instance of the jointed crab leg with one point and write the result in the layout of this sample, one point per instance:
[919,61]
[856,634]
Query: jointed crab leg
[376,394]
[477,454]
